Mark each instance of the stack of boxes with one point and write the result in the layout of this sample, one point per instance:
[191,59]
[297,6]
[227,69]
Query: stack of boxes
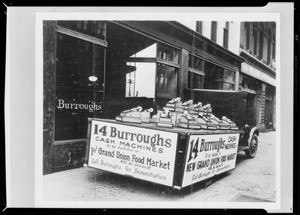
[170,115]
[135,115]
[178,114]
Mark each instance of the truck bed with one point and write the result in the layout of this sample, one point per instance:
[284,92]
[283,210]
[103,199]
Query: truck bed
[182,131]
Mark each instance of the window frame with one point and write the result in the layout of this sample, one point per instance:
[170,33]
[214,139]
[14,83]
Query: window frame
[199,27]
[269,56]
[94,41]
[247,28]
[225,38]
[213,33]
[226,35]
[160,60]
[221,80]
[274,45]
[81,36]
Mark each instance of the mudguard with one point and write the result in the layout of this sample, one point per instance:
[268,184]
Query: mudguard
[253,130]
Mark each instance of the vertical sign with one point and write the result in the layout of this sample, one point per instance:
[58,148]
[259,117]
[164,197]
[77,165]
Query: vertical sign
[209,155]
[128,150]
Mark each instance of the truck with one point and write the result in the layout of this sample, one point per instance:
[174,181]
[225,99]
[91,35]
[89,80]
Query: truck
[174,157]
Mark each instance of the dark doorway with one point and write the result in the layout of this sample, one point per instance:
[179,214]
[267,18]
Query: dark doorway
[269,114]
[123,44]
[250,109]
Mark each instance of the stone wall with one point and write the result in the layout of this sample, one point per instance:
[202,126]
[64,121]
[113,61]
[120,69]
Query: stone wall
[260,107]
[49,62]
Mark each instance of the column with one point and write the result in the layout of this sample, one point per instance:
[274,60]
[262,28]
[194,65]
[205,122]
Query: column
[260,107]
[263,106]
[237,80]
[49,59]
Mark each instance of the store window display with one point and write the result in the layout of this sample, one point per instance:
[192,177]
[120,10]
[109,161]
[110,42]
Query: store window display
[76,96]
[166,81]
[218,78]
[196,72]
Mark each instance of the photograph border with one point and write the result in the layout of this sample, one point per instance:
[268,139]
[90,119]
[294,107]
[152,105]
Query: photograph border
[282,132]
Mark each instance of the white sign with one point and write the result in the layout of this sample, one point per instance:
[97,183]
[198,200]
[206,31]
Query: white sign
[246,68]
[209,155]
[250,70]
[264,77]
[143,153]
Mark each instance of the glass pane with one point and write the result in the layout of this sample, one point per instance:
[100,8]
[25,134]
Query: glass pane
[218,85]
[196,63]
[76,97]
[228,86]
[229,75]
[77,60]
[218,73]
[73,107]
[166,81]
[167,53]
[216,77]
[225,38]
[197,81]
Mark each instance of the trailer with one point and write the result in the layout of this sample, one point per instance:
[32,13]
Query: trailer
[175,157]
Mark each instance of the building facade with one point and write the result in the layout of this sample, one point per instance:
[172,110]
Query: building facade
[255,42]
[258,72]
[99,68]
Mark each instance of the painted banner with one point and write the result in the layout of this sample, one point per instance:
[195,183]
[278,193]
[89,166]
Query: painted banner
[142,153]
[209,155]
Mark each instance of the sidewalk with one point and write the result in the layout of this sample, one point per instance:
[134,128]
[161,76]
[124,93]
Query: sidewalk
[87,184]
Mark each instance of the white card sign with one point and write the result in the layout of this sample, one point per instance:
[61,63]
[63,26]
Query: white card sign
[142,153]
[209,155]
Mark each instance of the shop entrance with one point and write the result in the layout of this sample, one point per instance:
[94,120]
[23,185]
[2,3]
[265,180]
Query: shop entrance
[250,110]
[139,71]
[101,68]
[268,114]
[269,107]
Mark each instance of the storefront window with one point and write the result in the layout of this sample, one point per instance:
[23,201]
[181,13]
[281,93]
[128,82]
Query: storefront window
[196,79]
[248,83]
[76,97]
[166,81]
[196,63]
[167,53]
[229,76]
[228,86]
[218,78]
[196,72]
[155,72]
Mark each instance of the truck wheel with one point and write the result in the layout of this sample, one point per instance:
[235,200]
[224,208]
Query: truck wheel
[251,152]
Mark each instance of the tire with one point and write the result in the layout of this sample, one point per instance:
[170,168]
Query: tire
[251,152]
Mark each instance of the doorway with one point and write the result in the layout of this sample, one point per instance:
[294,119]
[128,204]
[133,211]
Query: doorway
[139,71]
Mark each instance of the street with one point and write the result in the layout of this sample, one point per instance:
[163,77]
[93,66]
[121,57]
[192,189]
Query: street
[252,178]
